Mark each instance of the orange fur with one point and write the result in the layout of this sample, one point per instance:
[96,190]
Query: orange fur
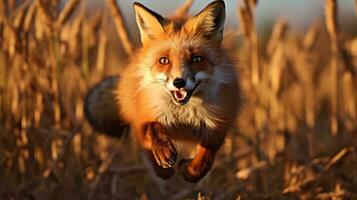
[144,89]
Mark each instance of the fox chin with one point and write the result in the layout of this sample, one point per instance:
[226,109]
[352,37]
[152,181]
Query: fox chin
[179,93]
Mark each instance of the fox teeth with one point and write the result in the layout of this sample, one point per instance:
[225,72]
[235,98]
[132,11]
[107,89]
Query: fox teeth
[180,94]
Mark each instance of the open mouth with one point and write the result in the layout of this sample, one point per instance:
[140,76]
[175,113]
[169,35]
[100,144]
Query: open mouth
[182,96]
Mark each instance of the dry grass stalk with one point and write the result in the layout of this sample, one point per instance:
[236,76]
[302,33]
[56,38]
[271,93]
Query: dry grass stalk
[66,12]
[20,14]
[101,52]
[338,157]
[279,32]
[183,9]
[29,17]
[98,22]
[331,19]
[245,22]
[347,101]
[43,10]
[276,66]
[85,36]
[248,29]
[310,37]
[250,6]
[39,110]
[120,27]
[2,8]
[259,115]
[12,42]
[332,28]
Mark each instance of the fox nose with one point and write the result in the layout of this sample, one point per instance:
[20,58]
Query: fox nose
[179,83]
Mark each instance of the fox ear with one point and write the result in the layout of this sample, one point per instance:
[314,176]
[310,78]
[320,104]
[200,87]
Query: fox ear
[150,23]
[210,21]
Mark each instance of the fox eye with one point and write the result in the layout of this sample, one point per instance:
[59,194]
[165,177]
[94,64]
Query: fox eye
[197,59]
[164,60]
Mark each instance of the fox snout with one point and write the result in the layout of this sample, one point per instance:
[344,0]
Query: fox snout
[182,89]
[179,83]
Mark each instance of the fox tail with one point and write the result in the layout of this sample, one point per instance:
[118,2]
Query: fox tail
[101,108]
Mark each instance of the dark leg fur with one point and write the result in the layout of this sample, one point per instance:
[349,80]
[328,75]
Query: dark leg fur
[195,169]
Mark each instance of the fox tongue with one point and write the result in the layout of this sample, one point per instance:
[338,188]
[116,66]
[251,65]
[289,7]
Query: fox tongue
[180,94]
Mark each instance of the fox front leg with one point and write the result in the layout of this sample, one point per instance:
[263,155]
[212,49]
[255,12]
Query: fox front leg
[195,169]
[158,148]
[164,173]
[162,148]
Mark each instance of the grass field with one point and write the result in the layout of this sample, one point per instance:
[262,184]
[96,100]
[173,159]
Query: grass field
[296,137]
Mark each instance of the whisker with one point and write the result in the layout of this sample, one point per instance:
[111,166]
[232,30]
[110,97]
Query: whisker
[155,84]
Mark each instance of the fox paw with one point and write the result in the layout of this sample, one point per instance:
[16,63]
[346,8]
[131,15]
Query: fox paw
[165,173]
[191,173]
[164,152]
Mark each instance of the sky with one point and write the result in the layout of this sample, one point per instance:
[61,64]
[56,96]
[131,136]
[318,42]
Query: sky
[299,13]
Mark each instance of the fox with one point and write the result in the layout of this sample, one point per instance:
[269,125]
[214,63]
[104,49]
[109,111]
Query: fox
[179,92]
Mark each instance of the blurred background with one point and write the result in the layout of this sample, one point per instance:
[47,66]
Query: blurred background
[298,13]
[295,137]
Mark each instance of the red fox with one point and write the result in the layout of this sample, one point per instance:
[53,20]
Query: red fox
[179,93]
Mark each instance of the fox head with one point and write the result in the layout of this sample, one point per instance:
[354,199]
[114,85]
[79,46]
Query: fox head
[185,57]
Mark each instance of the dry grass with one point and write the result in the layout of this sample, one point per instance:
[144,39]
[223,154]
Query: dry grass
[297,136]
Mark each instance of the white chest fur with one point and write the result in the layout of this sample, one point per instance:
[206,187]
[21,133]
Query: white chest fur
[195,114]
